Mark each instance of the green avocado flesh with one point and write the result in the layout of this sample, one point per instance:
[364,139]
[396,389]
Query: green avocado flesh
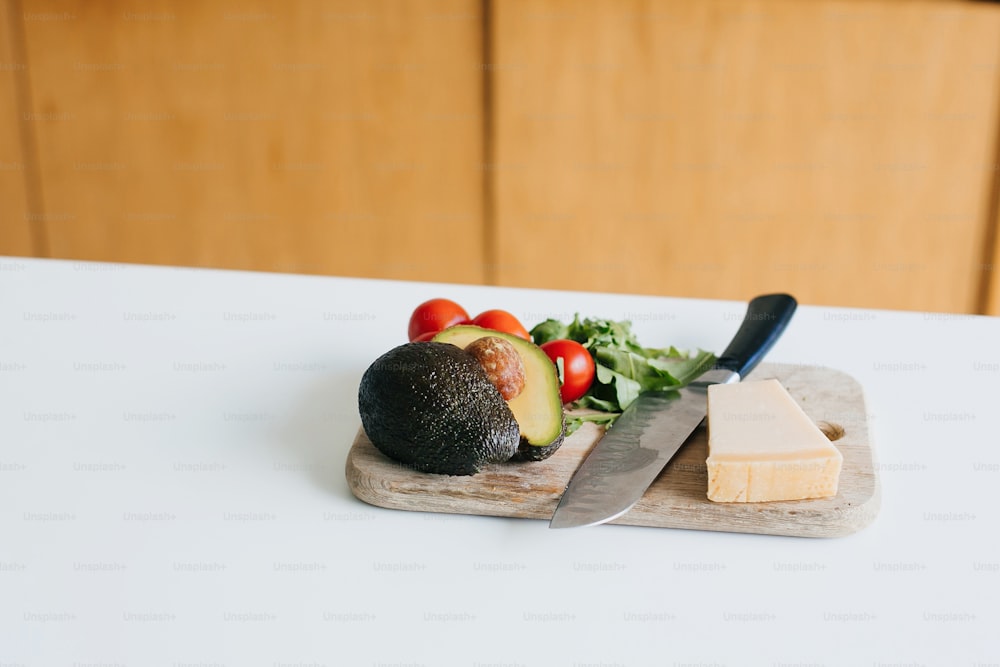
[432,407]
[538,408]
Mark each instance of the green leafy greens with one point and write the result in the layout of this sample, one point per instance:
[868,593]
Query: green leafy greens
[625,368]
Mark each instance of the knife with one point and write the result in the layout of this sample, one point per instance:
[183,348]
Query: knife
[648,433]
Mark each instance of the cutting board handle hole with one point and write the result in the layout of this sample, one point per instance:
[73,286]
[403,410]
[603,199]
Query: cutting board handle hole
[832,431]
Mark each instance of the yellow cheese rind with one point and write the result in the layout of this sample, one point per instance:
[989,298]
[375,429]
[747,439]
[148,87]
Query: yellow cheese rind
[762,447]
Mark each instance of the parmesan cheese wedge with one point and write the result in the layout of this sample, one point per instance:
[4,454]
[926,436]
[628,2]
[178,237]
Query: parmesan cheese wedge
[763,447]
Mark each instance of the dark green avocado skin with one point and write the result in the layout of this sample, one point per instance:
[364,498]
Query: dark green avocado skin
[528,452]
[431,407]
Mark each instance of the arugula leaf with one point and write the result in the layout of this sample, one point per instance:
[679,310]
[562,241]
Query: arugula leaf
[576,420]
[549,330]
[626,389]
[591,401]
[649,373]
[685,368]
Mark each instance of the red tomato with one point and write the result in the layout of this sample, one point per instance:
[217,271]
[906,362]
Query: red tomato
[501,320]
[425,336]
[578,367]
[434,316]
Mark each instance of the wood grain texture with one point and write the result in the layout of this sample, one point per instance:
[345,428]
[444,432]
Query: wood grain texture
[320,137]
[15,221]
[842,151]
[990,276]
[677,499]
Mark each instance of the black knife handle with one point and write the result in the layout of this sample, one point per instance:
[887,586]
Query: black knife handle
[767,316]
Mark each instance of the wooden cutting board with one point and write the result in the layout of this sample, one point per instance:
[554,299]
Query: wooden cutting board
[677,499]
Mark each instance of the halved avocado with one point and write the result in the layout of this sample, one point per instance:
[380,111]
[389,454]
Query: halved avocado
[538,408]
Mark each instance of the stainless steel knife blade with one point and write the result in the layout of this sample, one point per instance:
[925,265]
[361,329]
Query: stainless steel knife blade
[630,456]
[633,452]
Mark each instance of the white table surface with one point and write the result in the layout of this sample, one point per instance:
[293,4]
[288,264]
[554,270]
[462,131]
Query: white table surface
[172,492]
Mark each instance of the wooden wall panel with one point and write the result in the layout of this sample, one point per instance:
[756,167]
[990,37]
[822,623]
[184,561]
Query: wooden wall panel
[993,300]
[328,137]
[15,221]
[842,151]
[991,265]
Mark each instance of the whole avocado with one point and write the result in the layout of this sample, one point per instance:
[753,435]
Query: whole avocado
[432,407]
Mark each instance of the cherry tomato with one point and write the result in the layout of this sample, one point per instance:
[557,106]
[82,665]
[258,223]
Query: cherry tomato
[501,320]
[434,316]
[425,336]
[578,367]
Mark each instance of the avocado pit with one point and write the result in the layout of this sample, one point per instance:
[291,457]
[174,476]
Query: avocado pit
[501,362]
